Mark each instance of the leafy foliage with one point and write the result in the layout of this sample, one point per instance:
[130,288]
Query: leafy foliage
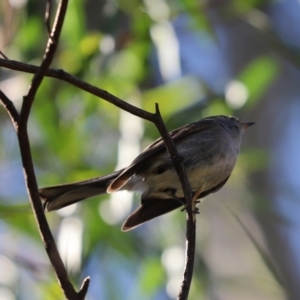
[75,136]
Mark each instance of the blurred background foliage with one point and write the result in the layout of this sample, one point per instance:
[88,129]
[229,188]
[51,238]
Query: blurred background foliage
[194,58]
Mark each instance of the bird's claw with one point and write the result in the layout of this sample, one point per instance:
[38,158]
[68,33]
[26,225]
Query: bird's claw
[194,211]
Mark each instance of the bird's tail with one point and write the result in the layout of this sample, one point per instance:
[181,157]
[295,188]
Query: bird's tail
[59,196]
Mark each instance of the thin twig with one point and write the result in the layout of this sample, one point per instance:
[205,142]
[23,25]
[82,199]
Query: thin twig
[64,76]
[190,210]
[3,55]
[190,246]
[10,108]
[47,59]
[48,16]
[34,197]
[84,288]
[20,124]
[177,160]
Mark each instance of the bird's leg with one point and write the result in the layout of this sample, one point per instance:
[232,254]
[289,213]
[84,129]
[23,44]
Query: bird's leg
[197,194]
[195,201]
[195,210]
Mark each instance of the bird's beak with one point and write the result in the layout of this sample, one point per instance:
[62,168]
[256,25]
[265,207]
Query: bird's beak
[247,124]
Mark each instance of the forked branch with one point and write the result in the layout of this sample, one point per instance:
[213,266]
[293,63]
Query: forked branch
[20,124]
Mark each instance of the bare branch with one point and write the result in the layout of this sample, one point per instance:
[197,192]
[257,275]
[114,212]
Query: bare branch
[29,174]
[10,108]
[190,246]
[35,199]
[190,207]
[84,288]
[189,262]
[177,160]
[48,57]
[62,75]
[48,16]
[3,55]
[43,226]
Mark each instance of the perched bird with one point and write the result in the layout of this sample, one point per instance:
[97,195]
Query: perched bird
[208,148]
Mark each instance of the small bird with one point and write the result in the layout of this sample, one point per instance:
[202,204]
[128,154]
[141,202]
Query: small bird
[208,148]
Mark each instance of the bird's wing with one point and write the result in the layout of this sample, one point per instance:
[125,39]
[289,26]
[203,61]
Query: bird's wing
[154,148]
[151,208]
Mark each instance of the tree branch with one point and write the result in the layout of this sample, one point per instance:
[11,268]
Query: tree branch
[190,207]
[157,120]
[64,76]
[10,108]
[3,55]
[47,59]
[47,18]
[190,246]
[20,124]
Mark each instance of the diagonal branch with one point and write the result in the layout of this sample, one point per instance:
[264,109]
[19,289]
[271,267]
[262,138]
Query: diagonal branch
[48,16]
[3,55]
[64,76]
[20,124]
[190,210]
[47,59]
[10,108]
